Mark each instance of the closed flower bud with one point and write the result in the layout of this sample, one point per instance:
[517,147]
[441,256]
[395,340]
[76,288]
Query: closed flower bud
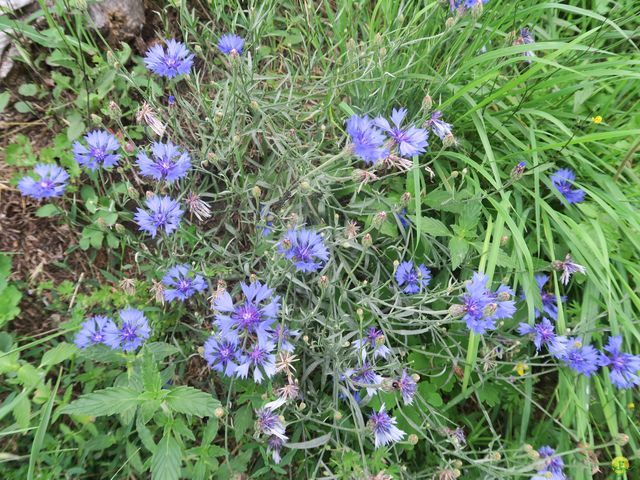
[219,412]
[427,102]
[337,416]
[114,110]
[254,104]
[504,240]
[133,193]
[455,174]
[367,241]
[256,192]
[405,199]
[305,186]
[449,140]
[622,439]
[252,278]
[379,219]
[198,49]
[413,439]
[395,264]
[416,377]
[96,119]
[360,312]
[456,310]
[301,406]
[323,281]
[120,228]
[451,21]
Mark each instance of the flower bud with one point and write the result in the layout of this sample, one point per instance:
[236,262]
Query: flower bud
[120,228]
[256,192]
[367,241]
[456,310]
[379,219]
[305,187]
[219,412]
[622,439]
[427,103]
[114,110]
[323,281]
[413,439]
[95,119]
[337,416]
[405,199]
[518,171]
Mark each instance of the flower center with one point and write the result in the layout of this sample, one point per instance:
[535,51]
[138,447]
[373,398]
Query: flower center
[129,333]
[303,253]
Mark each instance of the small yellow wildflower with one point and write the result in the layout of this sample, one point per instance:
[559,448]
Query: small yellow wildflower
[521,368]
[597,119]
[631,405]
[620,465]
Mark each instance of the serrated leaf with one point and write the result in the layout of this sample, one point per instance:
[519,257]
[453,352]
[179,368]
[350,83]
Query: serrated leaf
[165,463]
[9,301]
[103,402]
[433,227]
[58,354]
[458,248]
[241,421]
[150,373]
[48,210]
[191,401]
[161,350]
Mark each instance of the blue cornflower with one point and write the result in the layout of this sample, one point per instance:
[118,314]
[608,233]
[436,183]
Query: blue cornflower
[549,300]
[374,340]
[410,141]
[365,376]
[623,367]
[402,218]
[253,317]
[367,141]
[384,428]
[414,278]
[171,100]
[283,336]
[305,248]
[581,359]
[543,332]
[552,465]
[231,44]
[563,181]
[100,150]
[182,283]
[169,162]
[438,126]
[465,4]
[51,181]
[163,213]
[407,387]
[260,357]
[268,423]
[177,60]
[133,332]
[92,331]
[482,307]
[518,171]
[274,445]
[222,355]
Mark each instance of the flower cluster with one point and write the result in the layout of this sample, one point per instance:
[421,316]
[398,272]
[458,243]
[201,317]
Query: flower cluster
[481,307]
[129,335]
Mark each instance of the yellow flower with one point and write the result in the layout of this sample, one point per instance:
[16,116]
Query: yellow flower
[597,119]
[631,405]
[620,465]
[521,368]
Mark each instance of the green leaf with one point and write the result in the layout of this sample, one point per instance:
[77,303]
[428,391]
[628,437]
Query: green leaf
[58,354]
[241,421]
[150,373]
[109,401]
[49,210]
[28,89]
[458,248]
[9,301]
[76,126]
[434,227]
[191,401]
[4,100]
[165,463]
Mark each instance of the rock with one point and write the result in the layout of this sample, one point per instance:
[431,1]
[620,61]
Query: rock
[120,19]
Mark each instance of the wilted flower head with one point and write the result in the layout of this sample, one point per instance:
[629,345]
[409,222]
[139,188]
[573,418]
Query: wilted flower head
[568,267]
[543,332]
[409,140]
[374,339]
[407,386]
[438,126]
[274,445]
[305,248]
[169,162]
[413,278]
[563,181]
[100,150]
[132,333]
[222,355]
[623,367]
[180,283]
[51,181]
[147,116]
[92,331]
[518,171]
[384,428]
[176,60]
[197,206]
[163,213]
[231,44]
[367,141]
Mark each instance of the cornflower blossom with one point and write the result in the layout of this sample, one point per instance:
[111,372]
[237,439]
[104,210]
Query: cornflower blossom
[623,367]
[414,279]
[402,218]
[268,423]
[131,335]
[222,355]
[384,428]
[407,387]
[163,213]
[482,307]
[51,181]
[464,5]
[525,38]
[92,331]
[100,150]
[375,340]
[169,162]
[367,141]
[231,44]
[438,126]
[568,267]
[283,335]
[305,248]
[253,317]
[583,359]
[365,376]
[410,140]
[274,445]
[563,181]
[518,171]
[549,300]
[543,332]
[180,283]
[176,60]
[261,358]
[552,465]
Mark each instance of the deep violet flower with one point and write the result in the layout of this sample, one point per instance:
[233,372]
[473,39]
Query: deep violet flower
[367,141]
[132,333]
[163,214]
[268,423]
[552,465]
[563,181]
[181,283]
[231,44]
[384,428]
[305,248]
[374,340]
[407,387]
[222,355]
[410,140]
[261,358]
[543,332]
[100,150]
[51,181]
[623,367]
[549,300]
[169,162]
[413,278]
[92,331]
[176,60]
